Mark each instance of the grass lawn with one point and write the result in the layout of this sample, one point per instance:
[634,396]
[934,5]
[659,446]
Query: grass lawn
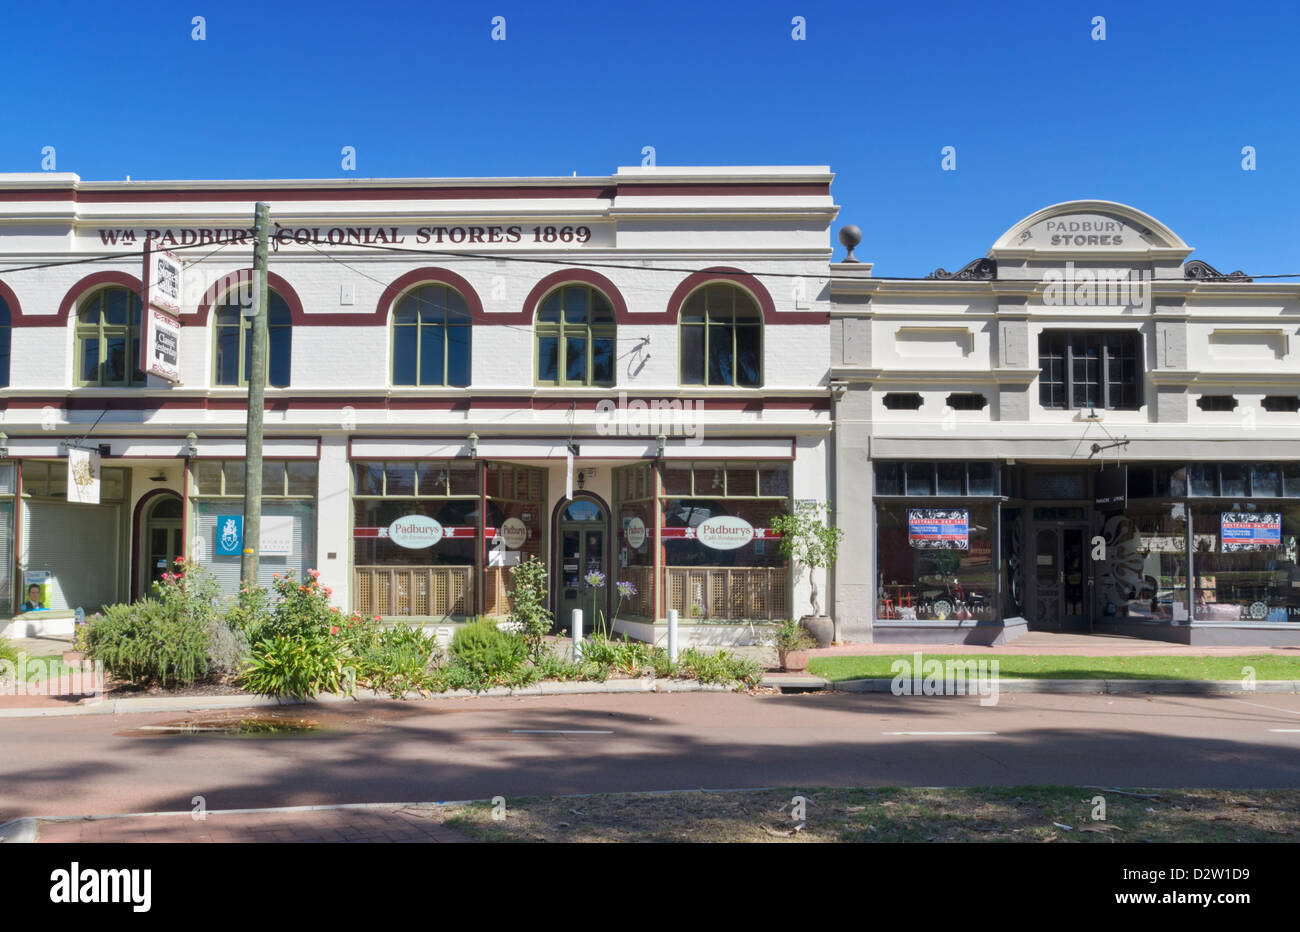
[958,814]
[1057,667]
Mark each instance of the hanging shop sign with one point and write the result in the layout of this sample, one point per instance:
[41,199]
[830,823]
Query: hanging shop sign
[514,532]
[83,476]
[724,532]
[938,528]
[635,533]
[1249,530]
[163,278]
[1110,490]
[415,532]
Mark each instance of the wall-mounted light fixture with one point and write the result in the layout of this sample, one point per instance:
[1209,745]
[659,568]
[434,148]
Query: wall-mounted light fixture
[191,444]
[662,442]
[4,445]
[473,446]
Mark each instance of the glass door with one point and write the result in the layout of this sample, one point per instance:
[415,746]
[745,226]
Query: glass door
[1061,569]
[162,542]
[581,552]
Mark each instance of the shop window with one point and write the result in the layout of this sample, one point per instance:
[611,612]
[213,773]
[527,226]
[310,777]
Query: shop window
[234,342]
[432,337]
[50,480]
[935,478]
[721,336]
[108,339]
[1289,403]
[1090,369]
[576,334]
[415,536]
[280,478]
[967,401]
[6,331]
[1143,574]
[1216,402]
[514,527]
[720,563]
[936,564]
[1240,480]
[634,510]
[902,401]
[1244,563]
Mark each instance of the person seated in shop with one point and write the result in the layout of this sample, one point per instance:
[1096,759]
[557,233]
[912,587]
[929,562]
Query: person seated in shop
[33,603]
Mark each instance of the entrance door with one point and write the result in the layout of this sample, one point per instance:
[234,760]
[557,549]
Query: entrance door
[161,542]
[1061,570]
[581,551]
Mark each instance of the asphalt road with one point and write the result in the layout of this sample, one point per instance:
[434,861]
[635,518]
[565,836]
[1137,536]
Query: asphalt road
[479,748]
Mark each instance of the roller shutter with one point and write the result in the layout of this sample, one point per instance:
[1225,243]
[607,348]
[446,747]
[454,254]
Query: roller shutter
[79,545]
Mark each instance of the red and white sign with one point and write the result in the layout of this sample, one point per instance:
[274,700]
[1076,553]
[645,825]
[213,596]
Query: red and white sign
[635,533]
[448,532]
[725,532]
[160,343]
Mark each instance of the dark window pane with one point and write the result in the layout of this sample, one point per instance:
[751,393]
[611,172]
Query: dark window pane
[405,348]
[693,355]
[602,312]
[721,371]
[369,478]
[431,358]
[90,360]
[272,477]
[115,306]
[1204,478]
[693,309]
[115,360]
[980,477]
[433,304]
[1291,480]
[277,311]
[1233,477]
[248,355]
[4,351]
[602,359]
[228,355]
[575,359]
[400,478]
[548,359]
[1265,480]
[458,356]
[234,471]
[406,312]
[920,478]
[208,477]
[550,311]
[280,341]
[575,304]
[302,477]
[749,367]
[952,477]
[457,309]
[889,478]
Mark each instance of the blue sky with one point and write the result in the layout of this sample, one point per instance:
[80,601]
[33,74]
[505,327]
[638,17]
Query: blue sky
[1155,116]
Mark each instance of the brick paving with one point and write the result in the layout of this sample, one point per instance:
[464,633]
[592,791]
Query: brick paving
[328,826]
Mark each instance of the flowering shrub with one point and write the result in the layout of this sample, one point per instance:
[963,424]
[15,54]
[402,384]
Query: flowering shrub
[528,611]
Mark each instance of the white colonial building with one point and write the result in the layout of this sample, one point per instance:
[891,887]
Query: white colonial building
[439,349]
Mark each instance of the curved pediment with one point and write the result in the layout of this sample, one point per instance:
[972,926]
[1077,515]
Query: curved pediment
[1090,228]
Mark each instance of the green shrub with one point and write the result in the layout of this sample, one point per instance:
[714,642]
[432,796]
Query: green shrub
[398,661]
[487,651]
[150,641]
[721,667]
[296,666]
[528,611]
[8,653]
[661,664]
[227,649]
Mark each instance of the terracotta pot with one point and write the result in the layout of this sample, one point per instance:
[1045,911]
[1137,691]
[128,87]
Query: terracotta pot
[74,657]
[793,661]
[821,627]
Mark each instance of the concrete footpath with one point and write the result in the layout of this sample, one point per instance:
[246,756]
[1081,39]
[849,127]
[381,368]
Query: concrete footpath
[397,822]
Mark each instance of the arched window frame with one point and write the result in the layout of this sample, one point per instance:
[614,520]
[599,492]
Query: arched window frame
[105,332]
[227,316]
[425,316]
[706,315]
[565,331]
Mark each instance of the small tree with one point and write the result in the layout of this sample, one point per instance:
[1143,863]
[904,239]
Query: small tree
[528,609]
[809,541]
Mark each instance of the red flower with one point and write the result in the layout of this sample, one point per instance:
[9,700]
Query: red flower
[334,629]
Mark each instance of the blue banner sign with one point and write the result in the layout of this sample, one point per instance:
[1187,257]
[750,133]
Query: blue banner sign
[230,535]
[1249,530]
[938,528]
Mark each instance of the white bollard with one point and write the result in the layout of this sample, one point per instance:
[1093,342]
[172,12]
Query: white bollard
[672,634]
[575,628]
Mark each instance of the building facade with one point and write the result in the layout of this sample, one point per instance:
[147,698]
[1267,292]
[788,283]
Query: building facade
[1082,430]
[624,375]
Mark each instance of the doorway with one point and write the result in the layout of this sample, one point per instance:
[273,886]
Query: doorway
[582,529]
[160,541]
[1061,577]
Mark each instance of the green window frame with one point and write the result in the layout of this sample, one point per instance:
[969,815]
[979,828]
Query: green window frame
[720,337]
[108,339]
[232,343]
[576,337]
[432,338]
[413,479]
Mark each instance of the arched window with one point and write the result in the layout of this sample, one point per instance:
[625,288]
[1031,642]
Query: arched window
[721,337]
[575,337]
[5,331]
[234,342]
[108,339]
[431,337]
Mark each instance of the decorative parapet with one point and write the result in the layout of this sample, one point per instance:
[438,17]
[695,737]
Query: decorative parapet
[982,269]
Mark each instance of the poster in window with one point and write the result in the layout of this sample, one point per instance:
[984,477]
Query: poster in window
[1249,530]
[938,528]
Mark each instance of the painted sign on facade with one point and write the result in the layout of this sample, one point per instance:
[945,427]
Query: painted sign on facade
[1249,530]
[938,528]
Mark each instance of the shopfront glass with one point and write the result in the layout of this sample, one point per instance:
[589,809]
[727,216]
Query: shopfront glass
[515,528]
